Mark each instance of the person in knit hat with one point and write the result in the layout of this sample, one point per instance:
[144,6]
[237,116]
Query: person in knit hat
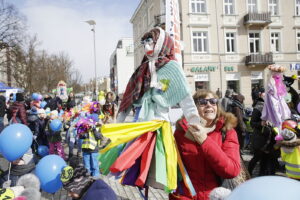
[54,137]
[41,126]
[27,188]
[32,120]
[80,185]
[110,109]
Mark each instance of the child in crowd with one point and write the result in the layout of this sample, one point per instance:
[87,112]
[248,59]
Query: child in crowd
[72,138]
[82,186]
[54,137]
[32,120]
[91,140]
[110,109]
[19,167]
[42,122]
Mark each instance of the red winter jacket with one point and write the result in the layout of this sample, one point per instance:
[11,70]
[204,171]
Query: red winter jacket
[206,163]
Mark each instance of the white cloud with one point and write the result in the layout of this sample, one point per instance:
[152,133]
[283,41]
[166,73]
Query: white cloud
[61,27]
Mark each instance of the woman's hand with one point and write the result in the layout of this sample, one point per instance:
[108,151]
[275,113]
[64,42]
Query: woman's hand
[199,133]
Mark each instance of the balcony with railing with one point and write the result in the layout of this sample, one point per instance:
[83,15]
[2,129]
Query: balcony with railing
[259,59]
[257,19]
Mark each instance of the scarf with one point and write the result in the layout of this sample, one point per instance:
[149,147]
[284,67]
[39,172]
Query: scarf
[145,74]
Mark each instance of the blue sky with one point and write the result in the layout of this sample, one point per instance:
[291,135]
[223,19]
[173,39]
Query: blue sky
[60,26]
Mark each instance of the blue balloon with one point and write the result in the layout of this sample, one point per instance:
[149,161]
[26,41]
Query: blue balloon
[43,150]
[267,187]
[15,140]
[35,96]
[55,125]
[39,97]
[43,104]
[48,170]
[95,117]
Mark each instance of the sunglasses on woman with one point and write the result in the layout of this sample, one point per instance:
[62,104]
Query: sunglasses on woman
[203,102]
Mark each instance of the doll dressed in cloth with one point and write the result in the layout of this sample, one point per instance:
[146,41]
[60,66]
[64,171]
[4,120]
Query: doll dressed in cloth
[275,109]
[158,83]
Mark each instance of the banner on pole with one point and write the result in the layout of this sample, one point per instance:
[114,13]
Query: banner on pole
[173,26]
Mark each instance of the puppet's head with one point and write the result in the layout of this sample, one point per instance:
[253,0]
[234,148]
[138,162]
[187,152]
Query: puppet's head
[276,68]
[276,79]
[158,44]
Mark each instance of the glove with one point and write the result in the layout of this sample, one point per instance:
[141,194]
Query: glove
[198,133]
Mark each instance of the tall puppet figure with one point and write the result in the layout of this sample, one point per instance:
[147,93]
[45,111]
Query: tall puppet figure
[158,83]
[275,108]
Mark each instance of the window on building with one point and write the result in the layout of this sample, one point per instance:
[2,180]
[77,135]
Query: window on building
[234,85]
[297,7]
[254,40]
[230,42]
[252,6]
[275,42]
[200,42]
[298,41]
[198,6]
[229,7]
[273,7]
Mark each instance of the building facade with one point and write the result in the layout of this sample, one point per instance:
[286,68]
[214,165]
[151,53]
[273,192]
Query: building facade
[229,43]
[104,84]
[121,65]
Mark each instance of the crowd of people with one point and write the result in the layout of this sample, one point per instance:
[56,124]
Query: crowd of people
[38,112]
[199,160]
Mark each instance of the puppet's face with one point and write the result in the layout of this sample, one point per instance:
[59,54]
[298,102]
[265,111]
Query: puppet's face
[148,46]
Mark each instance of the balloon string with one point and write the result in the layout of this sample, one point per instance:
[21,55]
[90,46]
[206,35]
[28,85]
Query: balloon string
[52,196]
[9,171]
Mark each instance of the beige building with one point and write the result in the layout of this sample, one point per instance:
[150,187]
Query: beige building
[229,43]
[104,84]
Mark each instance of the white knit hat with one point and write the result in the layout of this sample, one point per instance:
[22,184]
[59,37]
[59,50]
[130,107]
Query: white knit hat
[41,111]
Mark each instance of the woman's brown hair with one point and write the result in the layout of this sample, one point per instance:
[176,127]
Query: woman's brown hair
[230,120]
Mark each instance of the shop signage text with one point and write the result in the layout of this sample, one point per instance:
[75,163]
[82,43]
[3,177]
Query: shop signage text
[228,68]
[204,69]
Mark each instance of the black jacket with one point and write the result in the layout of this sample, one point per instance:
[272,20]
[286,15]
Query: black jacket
[2,106]
[261,134]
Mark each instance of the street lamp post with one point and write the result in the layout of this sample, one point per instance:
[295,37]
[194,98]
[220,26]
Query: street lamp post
[93,23]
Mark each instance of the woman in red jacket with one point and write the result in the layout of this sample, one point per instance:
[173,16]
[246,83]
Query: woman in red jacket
[207,157]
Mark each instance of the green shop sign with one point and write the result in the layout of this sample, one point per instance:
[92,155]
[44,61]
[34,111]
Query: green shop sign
[228,68]
[204,69]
